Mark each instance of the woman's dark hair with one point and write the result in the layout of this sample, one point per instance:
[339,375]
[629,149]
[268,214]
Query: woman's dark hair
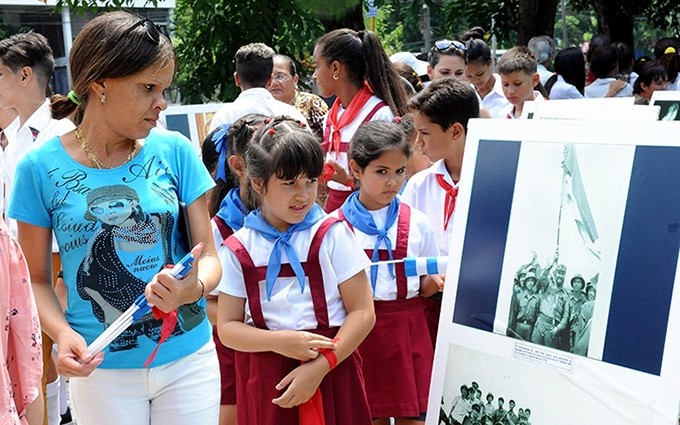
[375,137]
[235,141]
[435,54]
[598,40]
[292,68]
[626,57]
[284,148]
[570,65]
[477,49]
[363,54]
[604,62]
[651,72]
[667,51]
[406,72]
[112,45]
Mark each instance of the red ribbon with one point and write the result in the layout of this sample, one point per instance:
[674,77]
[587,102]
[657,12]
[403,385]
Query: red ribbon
[311,411]
[169,323]
[450,203]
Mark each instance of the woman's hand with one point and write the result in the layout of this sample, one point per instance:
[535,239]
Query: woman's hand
[301,345]
[73,359]
[615,87]
[302,382]
[167,292]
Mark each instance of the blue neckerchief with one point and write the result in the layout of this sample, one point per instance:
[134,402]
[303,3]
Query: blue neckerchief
[255,221]
[233,210]
[220,140]
[360,218]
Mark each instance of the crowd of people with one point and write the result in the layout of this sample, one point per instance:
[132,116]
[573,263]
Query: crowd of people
[544,312]
[279,319]
[468,408]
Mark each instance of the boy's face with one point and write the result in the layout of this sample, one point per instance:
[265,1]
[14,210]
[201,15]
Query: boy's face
[518,86]
[9,86]
[431,139]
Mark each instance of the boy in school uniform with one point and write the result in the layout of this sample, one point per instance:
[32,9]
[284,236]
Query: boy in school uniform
[26,67]
[440,113]
[519,78]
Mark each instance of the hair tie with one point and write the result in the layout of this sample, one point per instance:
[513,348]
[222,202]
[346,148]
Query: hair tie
[669,50]
[397,120]
[219,138]
[73,97]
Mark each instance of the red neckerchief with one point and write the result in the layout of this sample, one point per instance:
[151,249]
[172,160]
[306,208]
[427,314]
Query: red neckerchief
[450,203]
[350,114]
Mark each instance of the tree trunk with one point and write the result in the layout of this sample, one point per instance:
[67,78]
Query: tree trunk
[616,20]
[536,17]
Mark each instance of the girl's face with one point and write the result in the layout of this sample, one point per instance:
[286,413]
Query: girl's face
[448,66]
[323,74]
[114,212]
[659,84]
[382,178]
[286,202]
[478,74]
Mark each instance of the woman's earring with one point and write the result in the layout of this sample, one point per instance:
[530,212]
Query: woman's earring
[103,98]
[335,77]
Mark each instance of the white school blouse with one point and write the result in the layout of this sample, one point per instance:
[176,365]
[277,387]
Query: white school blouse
[423,192]
[421,243]
[290,308]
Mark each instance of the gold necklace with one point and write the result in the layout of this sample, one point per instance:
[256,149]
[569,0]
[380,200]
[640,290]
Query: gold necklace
[93,158]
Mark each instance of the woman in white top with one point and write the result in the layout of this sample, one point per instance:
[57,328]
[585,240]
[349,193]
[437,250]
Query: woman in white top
[480,73]
[570,75]
[605,65]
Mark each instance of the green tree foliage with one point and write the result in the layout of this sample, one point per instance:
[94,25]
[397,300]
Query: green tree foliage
[209,33]
[503,15]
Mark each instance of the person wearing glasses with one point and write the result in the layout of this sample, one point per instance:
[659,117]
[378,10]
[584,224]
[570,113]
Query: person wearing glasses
[110,190]
[447,59]
[480,73]
[284,87]
[354,67]
[254,66]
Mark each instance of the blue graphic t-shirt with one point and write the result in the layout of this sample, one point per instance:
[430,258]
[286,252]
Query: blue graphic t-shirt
[116,229]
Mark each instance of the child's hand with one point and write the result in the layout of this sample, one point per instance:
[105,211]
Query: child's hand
[301,345]
[431,284]
[302,382]
[340,175]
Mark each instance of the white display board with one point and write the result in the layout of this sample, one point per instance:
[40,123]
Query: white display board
[191,120]
[605,198]
[611,108]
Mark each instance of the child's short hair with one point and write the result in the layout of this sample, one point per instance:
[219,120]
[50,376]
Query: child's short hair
[284,148]
[446,102]
[254,64]
[519,58]
[375,137]
[29,49]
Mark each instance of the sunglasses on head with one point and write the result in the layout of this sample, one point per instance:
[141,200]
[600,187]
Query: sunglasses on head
[442,45]
[153,31]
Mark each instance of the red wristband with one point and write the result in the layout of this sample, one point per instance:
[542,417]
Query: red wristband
[330,355]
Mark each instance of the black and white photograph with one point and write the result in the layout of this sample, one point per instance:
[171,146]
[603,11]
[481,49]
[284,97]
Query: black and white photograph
[509,391]
[669,102]
[560,254]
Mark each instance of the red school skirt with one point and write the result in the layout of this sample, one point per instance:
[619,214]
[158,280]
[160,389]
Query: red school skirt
[342,390]
[225,356]
[433,309]
[397,360]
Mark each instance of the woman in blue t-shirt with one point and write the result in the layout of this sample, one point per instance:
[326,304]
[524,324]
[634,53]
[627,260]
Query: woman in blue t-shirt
[110,191]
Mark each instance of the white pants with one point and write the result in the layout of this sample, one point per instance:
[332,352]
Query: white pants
[186,391]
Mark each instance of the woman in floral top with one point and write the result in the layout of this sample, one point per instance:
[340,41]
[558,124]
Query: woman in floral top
[20,348]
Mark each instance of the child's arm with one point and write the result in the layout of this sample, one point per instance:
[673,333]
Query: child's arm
[358,301]
[235,334]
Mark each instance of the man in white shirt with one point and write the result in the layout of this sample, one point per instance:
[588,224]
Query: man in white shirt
[26,67]
[254,65]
